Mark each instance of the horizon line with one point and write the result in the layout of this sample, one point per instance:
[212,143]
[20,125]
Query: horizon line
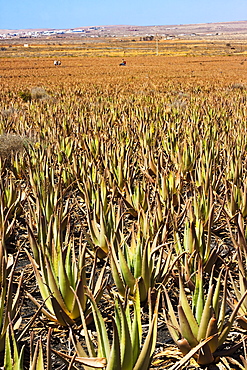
[118,25]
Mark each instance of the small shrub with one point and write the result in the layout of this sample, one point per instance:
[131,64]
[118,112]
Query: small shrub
[10,143]
[238,86]
[180,102]
[25,95]
[38,93]
[9,112]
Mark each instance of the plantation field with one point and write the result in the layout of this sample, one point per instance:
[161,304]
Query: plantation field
[143,72]
[123,208]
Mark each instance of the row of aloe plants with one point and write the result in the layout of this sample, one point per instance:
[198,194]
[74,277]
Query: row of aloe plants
[156,195]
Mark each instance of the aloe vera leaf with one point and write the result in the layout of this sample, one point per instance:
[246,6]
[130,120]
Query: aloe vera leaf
[145,356]
[212,330]
[127,275]
[206,315]
[185,328]
[104,345]
[187,310]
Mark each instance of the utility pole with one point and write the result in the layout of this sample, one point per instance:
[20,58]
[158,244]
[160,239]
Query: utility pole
[157,45]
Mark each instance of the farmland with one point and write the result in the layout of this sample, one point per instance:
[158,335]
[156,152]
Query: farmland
[123,205]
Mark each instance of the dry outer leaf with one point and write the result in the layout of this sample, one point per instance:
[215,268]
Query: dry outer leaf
[170,352]
[186,358]
[234,362]
[98,362]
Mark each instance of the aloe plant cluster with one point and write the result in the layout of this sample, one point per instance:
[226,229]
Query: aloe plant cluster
[129,211]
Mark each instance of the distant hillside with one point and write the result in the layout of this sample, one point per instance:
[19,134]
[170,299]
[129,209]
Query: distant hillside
[187,29]
[219,30]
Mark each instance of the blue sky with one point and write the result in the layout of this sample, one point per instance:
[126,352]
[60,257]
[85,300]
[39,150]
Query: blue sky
[18,14]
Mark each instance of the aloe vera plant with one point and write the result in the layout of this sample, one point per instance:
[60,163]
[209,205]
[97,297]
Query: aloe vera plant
[9,301]
[127,351]
[54,261]
[104,224]
[201,318]
[58,276]
[136,199]
[14,355]
[120,166]
[11,201]
[141,265]
[236,199]
[13,358]
[197,233]
[38,359]
[239,279]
